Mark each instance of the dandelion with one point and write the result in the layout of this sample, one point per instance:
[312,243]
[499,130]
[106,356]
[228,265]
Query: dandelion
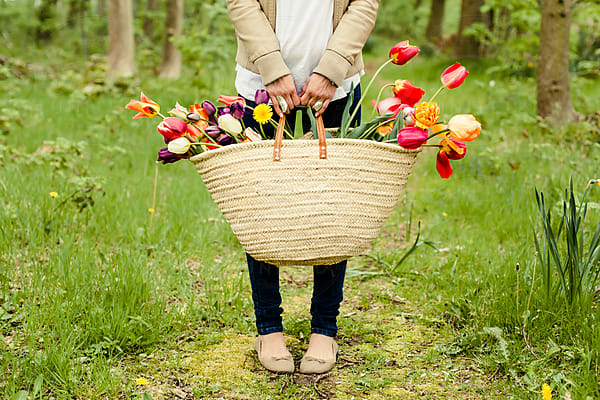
[262,113]
[53,194]
[546,391]
[21,301]
[445,214]
[151,210]
[141,381]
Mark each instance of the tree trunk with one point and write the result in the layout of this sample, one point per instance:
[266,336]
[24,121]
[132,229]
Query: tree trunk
[101,8]
[436,19]
[151,7]
[171,66]
[121,49]
[553,90]
[45,16]
[470,13]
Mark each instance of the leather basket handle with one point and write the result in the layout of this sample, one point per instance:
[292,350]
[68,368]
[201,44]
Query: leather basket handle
[279,138]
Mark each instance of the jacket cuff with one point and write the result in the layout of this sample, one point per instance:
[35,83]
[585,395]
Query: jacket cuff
[271,67]
[333,66]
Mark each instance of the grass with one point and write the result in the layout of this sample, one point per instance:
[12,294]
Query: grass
[93,297]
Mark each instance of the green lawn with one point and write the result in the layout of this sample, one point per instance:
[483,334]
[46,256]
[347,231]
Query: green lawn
[94,297]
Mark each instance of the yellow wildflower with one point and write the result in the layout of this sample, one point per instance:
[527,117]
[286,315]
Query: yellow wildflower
[53,194]
[262,113]
[141,381]
[445,214]
[546,391]
[151,210]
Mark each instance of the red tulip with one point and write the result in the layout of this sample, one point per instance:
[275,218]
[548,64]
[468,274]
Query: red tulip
[172,128]
[453,76]
[451,150]
[411,137]
[407,92]
[402,52]
[391,105]
[229,100]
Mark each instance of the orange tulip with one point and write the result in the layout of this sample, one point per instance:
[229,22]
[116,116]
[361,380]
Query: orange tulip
[145,107]
[426,115]
[464,127]
[451,150]
[229,100]
[453,76]
[402,52]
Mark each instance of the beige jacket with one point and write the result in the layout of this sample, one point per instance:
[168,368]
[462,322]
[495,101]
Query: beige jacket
[258,48]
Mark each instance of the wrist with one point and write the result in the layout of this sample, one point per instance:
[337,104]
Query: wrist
[331,83]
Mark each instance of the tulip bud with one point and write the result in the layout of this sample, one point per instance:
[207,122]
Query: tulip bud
[193,117]
[222,111]
[213,131]
[230,124]
[178,111]
[179,146]
[166,157]
[407,92]
[453,76]
[225,140]
[251,135]
[261,96]
[402,52]
[409,116]
[237,110]
[209,108]
[464,127]
[172,128]
[411,138]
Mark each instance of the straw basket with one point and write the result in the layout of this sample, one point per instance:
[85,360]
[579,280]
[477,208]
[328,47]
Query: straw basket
[293,203]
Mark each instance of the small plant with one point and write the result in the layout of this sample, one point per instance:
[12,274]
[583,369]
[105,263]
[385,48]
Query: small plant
[570,274]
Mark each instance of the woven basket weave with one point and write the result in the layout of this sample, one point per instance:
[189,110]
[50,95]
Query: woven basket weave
[303,210]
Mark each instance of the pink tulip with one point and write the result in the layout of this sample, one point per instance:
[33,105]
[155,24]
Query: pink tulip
[412,137]
[453,76]
[172,128]
[391,105]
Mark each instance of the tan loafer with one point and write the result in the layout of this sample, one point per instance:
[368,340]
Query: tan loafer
[317,365]
[274,364]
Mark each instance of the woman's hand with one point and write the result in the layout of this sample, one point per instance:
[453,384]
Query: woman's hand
[317,88]
[283,88]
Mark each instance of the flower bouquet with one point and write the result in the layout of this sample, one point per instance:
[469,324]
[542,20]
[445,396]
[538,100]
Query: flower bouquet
[296,202]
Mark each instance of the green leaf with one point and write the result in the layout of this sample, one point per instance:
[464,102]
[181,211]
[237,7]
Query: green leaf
[21,395]
[346,114]
[146,396]
[368,127]
[398,123]
[298,129]
[313,123]
[37,385]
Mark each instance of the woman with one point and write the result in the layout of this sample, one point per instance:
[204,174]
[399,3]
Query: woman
[304,52]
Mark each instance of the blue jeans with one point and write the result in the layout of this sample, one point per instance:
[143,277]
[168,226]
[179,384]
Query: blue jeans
[328,288]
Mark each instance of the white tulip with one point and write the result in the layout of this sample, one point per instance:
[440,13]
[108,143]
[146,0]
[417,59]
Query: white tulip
[179,146]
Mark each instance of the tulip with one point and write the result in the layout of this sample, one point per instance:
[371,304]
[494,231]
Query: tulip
[179,146]
[213,131]
[261,97]
[222,111]
[453,76]
[229,100]
[407,92]
[391,105]
[426,115]
[251,135]
[464,127]
[237,110]
[385,129]
[230,124]
[145,107]
[166,157]
[224,140]
[209,108]
[178,111]
[408,114]
[193,132]
[451,150]
[411,137]
[172,128]
[402,52]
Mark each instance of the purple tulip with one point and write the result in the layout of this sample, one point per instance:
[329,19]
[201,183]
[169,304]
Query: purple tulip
[223,110]
[210,110]
[261,96]
[237,110]
[166,157]
[224,140]
[213,131]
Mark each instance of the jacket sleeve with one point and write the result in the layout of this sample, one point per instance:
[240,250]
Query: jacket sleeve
[258,38]
[348,39]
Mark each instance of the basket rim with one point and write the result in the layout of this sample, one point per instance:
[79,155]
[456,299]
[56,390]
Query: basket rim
[293,142]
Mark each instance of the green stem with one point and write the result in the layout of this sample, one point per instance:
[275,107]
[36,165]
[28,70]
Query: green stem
[438,133]
[202,130]
[364,94]
[378,97]
[275,125]
[160,115]
[436,94]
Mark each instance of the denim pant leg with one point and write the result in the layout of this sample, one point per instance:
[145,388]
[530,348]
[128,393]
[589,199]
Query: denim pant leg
[328,292]
[264,279]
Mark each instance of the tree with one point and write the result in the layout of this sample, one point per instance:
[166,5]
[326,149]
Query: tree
[171,65]
[121,48]
[436,19]
[470,13]
[553,90]
[101,8]
[45,16]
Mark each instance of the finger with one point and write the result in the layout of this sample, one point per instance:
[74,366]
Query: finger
[288,99]
[324,107]
[304,99]
[276,105]
[311,101]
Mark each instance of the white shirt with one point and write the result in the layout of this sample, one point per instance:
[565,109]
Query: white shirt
[303,28]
